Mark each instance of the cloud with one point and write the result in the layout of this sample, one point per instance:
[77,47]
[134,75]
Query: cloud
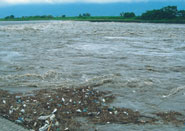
[65,1]
[15,2]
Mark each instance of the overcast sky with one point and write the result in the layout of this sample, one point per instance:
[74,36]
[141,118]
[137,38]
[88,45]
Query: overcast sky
[74,1]
[20,8]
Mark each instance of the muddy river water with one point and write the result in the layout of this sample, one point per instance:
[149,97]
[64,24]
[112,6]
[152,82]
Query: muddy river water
[142,64]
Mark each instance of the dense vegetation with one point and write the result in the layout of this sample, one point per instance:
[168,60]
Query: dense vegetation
[168,14]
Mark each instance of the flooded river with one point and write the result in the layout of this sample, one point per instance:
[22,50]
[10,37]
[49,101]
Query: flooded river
[142,64]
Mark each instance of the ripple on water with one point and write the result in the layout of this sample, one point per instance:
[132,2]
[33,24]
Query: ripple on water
[138,62]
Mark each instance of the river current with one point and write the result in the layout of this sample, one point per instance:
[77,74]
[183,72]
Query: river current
[142,64]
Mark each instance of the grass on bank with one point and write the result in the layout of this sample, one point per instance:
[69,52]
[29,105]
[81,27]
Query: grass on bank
[99,19]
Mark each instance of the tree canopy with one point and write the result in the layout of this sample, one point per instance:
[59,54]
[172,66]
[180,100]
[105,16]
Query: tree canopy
[127,14]
[168,12]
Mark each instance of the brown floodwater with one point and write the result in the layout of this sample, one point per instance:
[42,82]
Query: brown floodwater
[142,64]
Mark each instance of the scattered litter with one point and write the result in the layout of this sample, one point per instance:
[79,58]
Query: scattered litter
[44,128]
[103,100]
[43,117]
[78,111]
[54,111]
[19,120]
[125,112]
[4,102]
[57,112]
[22,110]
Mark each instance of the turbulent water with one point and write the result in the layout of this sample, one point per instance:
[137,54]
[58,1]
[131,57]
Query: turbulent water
[142,64]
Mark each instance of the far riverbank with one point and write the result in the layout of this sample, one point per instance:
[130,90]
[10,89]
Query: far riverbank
[99,19]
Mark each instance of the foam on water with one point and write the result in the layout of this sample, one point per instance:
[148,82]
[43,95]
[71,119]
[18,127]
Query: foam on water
[139,63]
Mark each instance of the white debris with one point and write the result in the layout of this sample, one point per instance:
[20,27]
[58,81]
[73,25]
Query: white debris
[78,111]
[52,117]
[35,124]
[44,117]
[4,102]
[44,128]
[17,97]
[57,123]
[66,129]
[55,110]
[22,110]
[115,112]
[103,100]
[125,113]
[63,99]
[47,122]
[10,112]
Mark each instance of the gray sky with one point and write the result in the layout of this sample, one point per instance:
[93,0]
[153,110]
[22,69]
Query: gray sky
[72,1]
[18,2]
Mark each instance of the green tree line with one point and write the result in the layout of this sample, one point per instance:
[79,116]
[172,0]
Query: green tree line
[168,12]
[165,13]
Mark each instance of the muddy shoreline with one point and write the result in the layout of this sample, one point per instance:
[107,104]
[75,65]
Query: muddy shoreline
[59,109]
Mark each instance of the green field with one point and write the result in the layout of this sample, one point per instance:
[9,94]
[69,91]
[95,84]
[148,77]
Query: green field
[98,19]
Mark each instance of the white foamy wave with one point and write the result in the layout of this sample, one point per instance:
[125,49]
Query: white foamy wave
[174,91]
[28,76]
[112,38]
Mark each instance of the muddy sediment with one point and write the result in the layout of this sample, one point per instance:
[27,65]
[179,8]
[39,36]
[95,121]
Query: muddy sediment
[58,109]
